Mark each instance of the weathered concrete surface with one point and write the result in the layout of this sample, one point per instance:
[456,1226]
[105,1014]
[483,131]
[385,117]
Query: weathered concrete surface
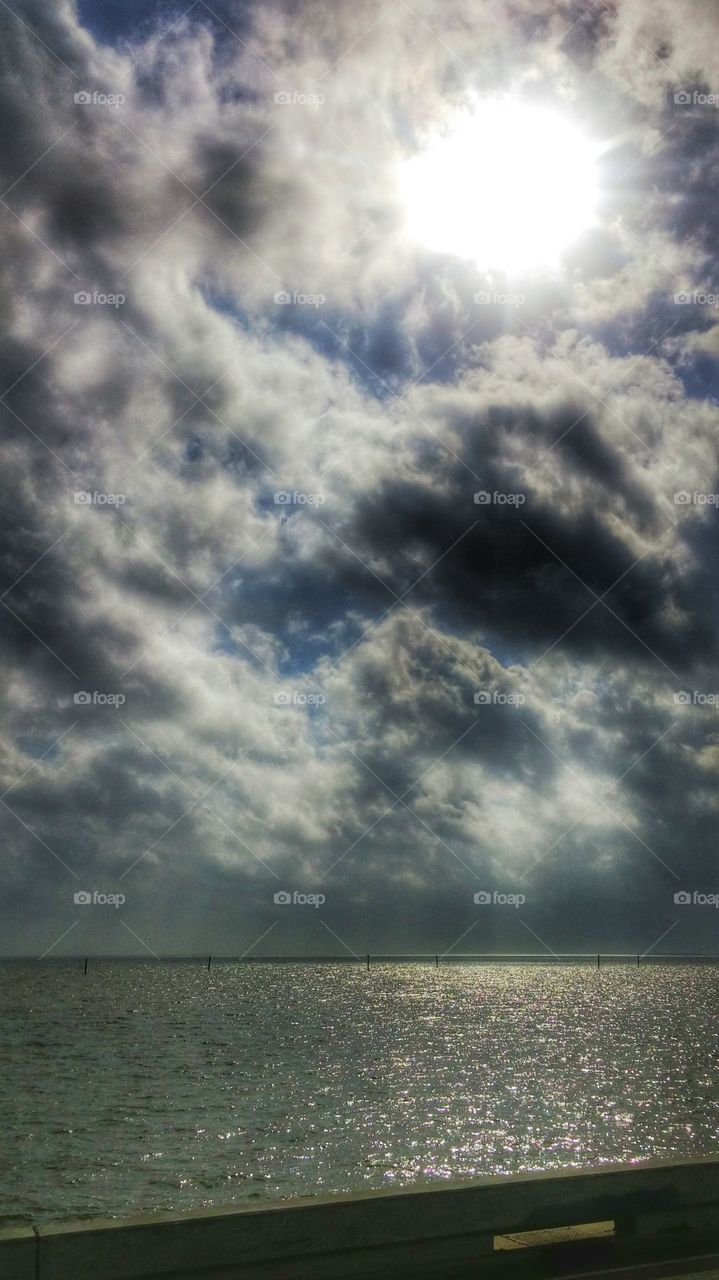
[445,1232]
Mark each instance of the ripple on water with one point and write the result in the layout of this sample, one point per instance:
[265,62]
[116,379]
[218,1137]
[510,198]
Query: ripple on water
[154,1087]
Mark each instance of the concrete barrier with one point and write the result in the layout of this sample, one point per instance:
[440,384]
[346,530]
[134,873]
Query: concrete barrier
[18,1254]
[446,1232]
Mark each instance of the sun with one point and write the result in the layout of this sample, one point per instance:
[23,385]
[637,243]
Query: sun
[508,185]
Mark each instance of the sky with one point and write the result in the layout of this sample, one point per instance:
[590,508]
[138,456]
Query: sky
[359,542]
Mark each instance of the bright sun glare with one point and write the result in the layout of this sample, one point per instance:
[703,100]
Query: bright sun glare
[509,186]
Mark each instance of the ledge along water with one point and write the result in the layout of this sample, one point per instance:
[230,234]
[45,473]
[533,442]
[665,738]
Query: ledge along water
[570,1223]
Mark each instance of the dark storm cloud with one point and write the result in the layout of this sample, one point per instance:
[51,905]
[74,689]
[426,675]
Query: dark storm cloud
[688,173]
[530,571]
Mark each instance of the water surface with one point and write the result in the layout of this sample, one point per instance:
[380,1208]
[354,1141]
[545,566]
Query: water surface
[146,1087]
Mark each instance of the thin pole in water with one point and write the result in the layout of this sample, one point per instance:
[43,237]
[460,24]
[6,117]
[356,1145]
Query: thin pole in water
[368,961]
[597,961]
[85,970]
[209,962]
[436,962]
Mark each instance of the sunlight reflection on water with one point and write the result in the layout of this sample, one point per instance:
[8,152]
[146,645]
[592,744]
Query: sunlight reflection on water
[158,1086]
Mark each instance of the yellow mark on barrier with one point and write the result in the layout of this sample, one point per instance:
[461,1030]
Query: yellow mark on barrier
[554,1235]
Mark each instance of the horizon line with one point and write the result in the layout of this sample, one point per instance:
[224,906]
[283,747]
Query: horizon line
[378,956]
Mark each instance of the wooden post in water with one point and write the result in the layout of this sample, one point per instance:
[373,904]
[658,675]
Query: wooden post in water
[368,961]
[436,962]
[85,970]
[209,962]
[598,960]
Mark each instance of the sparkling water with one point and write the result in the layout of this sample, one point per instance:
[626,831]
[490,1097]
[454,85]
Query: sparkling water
[145,1087]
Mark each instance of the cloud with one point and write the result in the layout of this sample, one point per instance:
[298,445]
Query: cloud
[376,686]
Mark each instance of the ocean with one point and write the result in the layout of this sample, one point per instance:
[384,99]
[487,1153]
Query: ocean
[162,1087]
